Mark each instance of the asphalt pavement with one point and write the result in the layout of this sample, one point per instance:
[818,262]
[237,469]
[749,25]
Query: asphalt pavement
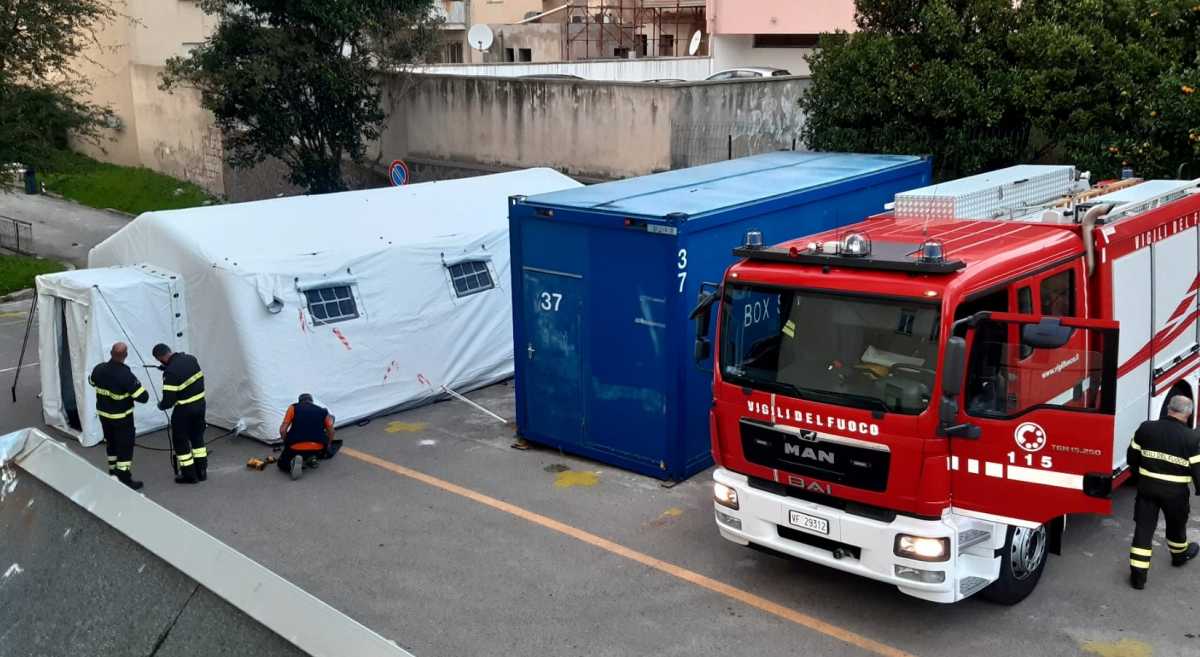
[73,585]
[432,531]
[62,229]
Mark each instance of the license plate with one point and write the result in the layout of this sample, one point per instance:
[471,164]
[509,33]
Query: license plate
[811,523]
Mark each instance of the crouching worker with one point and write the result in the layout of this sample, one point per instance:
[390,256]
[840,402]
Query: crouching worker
[307,433]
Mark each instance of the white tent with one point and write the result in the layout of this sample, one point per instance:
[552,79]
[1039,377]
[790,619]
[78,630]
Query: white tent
[369,300]
[80,315]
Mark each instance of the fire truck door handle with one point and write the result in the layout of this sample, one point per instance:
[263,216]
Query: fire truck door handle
[962,431]
[531,350]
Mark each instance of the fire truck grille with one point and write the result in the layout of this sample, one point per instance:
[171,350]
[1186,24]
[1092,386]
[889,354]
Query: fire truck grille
[839,463]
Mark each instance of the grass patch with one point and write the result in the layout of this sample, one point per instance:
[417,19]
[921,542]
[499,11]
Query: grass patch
[129,189]
[17,272]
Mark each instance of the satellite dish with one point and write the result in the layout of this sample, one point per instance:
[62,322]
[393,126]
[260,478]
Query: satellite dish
[694,46]
[480,36]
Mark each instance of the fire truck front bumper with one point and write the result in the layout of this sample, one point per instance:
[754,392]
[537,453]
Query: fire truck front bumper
[943,560]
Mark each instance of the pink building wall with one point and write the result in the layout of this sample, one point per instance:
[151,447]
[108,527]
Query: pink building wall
[779,16]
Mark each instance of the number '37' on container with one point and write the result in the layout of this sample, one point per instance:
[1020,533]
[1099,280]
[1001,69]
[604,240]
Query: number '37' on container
[604,278]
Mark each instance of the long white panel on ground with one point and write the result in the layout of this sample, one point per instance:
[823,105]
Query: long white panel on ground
[289,611]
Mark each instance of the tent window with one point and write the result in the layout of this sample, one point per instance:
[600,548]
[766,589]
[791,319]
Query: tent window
[470,277]
[331,304]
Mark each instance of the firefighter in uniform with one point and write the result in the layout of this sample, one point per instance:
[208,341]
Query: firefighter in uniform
[1164,457]
[183,389]
[116,391]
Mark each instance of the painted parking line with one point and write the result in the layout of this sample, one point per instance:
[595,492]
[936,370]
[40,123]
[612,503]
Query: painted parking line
[691,577]
[14,369]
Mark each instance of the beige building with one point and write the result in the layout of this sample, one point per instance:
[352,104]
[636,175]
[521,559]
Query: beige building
[567,30]
[508,21]
[169,133]
[773,33]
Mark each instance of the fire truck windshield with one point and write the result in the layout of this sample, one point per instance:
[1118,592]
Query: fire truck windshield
[867,352]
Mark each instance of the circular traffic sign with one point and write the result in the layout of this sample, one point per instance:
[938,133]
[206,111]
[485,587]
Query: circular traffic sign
[398,173]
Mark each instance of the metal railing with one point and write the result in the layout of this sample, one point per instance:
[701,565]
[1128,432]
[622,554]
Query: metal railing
[16,235]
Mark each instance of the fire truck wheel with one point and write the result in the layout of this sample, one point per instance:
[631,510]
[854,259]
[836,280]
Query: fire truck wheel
[1021,565]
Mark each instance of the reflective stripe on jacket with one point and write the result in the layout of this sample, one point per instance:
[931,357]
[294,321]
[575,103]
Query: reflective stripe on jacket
[183,381]
[1165,452]
[116,390]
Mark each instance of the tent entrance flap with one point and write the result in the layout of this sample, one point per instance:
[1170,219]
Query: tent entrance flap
[66,378]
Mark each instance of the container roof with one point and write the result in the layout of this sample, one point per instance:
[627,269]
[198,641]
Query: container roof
[710,188]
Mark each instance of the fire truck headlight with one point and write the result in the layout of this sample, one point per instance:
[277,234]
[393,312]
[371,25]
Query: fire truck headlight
[922,548]
[725,496]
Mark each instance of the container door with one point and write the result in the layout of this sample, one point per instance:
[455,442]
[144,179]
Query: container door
[553,373]
[1045,416]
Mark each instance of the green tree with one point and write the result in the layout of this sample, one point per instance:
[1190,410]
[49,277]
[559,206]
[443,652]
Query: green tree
[42,95]
[986,83]
[298,80]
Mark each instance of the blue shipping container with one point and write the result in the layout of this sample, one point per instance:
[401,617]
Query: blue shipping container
[604,278]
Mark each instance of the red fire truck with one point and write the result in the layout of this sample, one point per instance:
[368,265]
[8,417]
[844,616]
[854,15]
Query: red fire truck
[923,397]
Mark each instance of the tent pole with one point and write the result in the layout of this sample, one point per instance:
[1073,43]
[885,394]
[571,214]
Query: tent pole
[129,341]
[24,343]
[477,406]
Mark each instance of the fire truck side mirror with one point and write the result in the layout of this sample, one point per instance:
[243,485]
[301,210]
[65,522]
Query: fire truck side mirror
[952,376]
[701,315]
[952,369]
[1049,333]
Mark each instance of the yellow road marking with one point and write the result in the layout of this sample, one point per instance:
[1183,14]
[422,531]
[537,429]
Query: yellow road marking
[673,512]
[691,577]
[1122,648]
[405,427]
[572,478]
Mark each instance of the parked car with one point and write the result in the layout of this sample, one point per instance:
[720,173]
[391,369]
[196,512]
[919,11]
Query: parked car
[550,76]
[664,81]
[746,72]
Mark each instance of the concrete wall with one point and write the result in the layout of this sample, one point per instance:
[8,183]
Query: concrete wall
[779,16]
[713,121]
[729,51]
[613,70]
[592,130]
[169,133]
[175,135]
[108,71]
[168,28]
[599,130]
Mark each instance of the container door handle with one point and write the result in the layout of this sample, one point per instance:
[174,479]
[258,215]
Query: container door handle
[530,349]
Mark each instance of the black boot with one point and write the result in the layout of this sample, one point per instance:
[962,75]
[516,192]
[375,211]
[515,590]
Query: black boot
[126,477]
[1137,578]
[187,475]
[202,468]
[1187,555]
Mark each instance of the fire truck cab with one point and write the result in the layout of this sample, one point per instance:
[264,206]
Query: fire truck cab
[923,397]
